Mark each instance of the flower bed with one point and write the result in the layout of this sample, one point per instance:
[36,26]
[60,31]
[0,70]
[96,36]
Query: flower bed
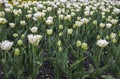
[77,40]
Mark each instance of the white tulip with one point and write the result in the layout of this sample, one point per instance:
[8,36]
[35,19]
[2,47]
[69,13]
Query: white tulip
[61,16]
[78,18]
[112,35]
[40,6]
[34,39]
[39,15]
[3,20]
[12,25]
[7,10]
[28,16]
[49,22]
[85,20]
[33,29]
[59,11]
[2,14]
[23,23]
[116,10]
[114,21]
[70,31]
[63,1]
[49,9]
[72,14]
[108,25]
[78,23]
[68,17]
[50,18]
[87,13]
[102,43]
[6,45]
[102,25]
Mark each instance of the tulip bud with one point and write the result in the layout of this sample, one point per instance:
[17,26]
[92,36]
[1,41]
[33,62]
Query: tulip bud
[95,22]
[16,52]
[20,42]
[3,61]
[22,36]
[49,31]
[74,26]
[119,34]
[60,49]
[103,17]
[65,18]
[112,35]
[98,37]
[84,46]
[102,25]
[107,37]
[60,34]
[60,27]
[79,18]
[23,23]
[78,43]
[114,40]
[70,31]
[59,43]
[15,35]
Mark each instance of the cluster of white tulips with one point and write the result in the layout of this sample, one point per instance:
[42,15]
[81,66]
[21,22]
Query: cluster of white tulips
[88,31]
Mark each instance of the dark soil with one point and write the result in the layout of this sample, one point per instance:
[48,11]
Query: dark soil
[46,71]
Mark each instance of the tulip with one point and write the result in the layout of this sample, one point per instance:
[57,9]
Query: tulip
[34,39]
[70,31]
[102,43]
[49,31]
[78,44]
[6,45]
[34,29]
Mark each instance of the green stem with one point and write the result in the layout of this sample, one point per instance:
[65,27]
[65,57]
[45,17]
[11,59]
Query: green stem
[101,32]
[70,76]
[49,45]
[79,53]
[57,63]
[99,57]
[57,74]
[5,65]
[34,52]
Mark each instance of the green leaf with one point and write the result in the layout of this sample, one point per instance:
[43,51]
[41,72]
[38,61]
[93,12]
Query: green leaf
[108,77]
[80,75]
[76,64]
[77,75]
[91,69]
[100,70]
[92,59]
